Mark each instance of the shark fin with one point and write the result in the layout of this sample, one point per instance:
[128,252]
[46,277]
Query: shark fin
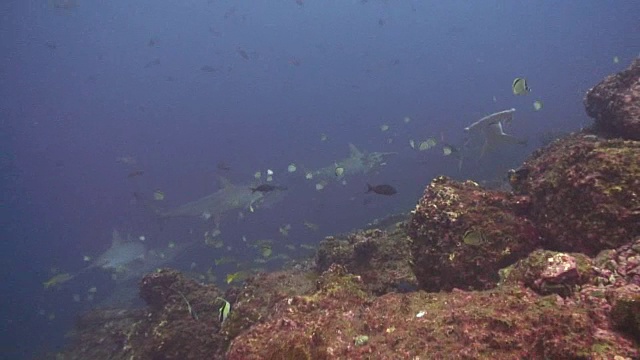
[495,136]
[354,151]
[223,182]
[116,239]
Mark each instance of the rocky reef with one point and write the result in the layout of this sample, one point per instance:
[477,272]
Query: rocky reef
[549,270]
[584,192]
[340,321]
[462,234]
[615,104]
[378,256]
[180,322]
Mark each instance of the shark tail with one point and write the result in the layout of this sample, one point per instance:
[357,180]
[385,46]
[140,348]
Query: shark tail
[369,188]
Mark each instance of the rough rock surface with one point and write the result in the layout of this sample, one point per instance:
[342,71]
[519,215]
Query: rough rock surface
[615,104]
[549,272]
[444,256]
[584,191]
[380,257]
[339,321]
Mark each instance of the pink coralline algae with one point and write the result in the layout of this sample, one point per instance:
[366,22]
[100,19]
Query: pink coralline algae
[615,104]
[584,191]
[442,255]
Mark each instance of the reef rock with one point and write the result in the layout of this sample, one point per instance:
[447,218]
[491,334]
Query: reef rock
[584,191]
[256,299]
[180,322]
[340,321]
[608,284]
[463,234]
[615,104]
[549,272]
[380,257]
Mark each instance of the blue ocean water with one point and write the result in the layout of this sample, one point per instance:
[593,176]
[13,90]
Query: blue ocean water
[89,88]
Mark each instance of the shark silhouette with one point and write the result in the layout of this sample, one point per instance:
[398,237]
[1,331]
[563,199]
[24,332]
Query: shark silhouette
[491,131]
[121,253]
[126,260]
[153,260]
[229,197]
[358,162]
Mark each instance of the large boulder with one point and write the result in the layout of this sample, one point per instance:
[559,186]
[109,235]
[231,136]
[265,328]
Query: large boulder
[379,256]
[615,104]
[462,234]
[584,191]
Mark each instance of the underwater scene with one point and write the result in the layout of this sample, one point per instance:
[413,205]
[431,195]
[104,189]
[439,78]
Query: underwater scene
[337,179]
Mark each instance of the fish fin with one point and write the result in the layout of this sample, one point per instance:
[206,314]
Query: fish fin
[510,139]
[369,188]
[488,146]
[354,151]
[116,238]
[223,182]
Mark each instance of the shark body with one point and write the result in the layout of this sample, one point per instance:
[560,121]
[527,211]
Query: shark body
[229,197]
[125,259]
[358,162]
[153,260]
[129,259]
[121,253]
[490,129]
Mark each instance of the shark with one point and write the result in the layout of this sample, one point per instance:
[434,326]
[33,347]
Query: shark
[357,162]
[121,253]
[154,259]
[229,197]
[490,130]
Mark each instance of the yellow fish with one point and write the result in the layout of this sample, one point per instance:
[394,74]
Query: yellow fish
[474,238]
[266,250]
[57,280]
[520,86]
[233,277]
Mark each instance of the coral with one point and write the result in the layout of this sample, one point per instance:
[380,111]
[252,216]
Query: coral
[584,191]
[615,104]
[446,213]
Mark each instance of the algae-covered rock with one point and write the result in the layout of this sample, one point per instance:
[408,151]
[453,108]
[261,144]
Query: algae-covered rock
[615,104]
[380,257]
[549,272]
[584,191]
[625,311]
[339,321]
[462,234]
